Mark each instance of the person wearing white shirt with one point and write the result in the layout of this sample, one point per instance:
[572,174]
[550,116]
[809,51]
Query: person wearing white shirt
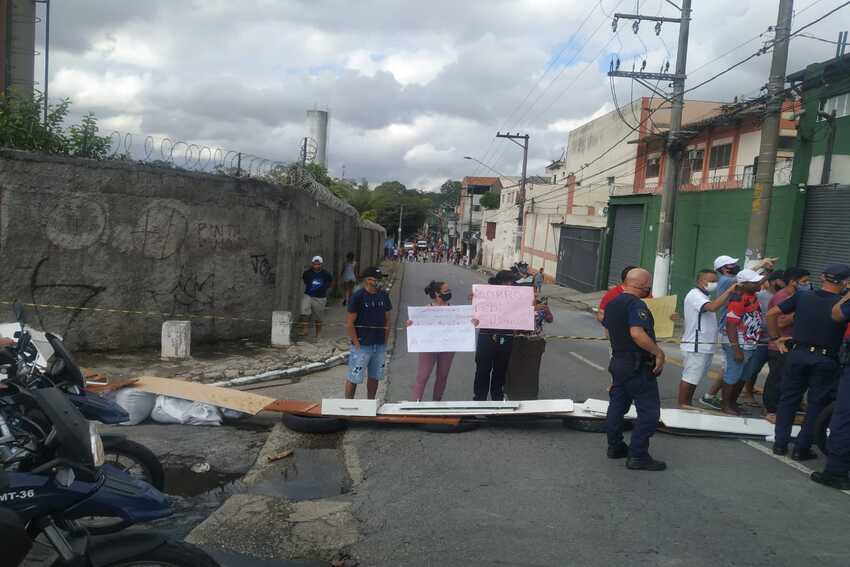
[700,335]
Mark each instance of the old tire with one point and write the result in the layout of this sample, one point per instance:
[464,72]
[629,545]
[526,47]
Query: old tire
[461,427]
[170,554]
[135,459]
[822,428]
[309,424]
[586,424]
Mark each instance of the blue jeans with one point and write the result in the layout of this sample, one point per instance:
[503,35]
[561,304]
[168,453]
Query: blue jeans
[367,359]
[755,363]
[734,371]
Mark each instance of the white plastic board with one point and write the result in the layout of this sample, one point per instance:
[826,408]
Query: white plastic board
[599,408]
[527,407]
[363,408]
[690,419]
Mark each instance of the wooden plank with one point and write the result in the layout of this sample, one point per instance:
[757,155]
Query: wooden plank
[345,407]
[213,395]
[528,407]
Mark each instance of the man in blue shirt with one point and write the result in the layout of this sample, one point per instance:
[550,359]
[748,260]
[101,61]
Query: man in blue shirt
[317,281]
[835,474]
[636,362]
[812,361]
[368,326]
[727,268]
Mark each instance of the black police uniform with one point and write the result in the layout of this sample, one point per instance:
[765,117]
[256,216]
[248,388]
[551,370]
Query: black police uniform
[838,446]
[812,364]
[633,380]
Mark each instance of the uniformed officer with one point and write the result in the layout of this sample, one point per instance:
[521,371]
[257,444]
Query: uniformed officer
[812,361]
[636,361]
[835,473]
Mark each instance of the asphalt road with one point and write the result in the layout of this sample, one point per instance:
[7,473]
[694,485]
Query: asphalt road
[545,495]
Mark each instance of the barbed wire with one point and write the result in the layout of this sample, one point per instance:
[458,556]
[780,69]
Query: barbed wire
[170,152]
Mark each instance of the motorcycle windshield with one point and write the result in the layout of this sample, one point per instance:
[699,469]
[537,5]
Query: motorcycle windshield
[70,371]
[72,429]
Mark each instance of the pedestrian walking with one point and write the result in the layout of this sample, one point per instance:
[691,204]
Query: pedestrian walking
[349,277]
[636,362]
[700,334]
[368,326]
[538,280]
[317,282]
[795,279]
[812,362]
[440,295]
[835,473]
[493,353]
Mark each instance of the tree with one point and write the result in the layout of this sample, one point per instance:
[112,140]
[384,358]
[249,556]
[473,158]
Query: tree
[319,173]
[448,195]
[490,200]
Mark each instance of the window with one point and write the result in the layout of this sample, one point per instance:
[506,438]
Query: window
[491,230]
[720,156]
[840,104]
[653,166]
[476,208]
[695,159]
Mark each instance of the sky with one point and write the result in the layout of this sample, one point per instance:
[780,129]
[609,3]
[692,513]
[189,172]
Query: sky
[411,86]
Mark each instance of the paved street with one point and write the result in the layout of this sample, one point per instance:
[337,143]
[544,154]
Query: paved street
[546,495]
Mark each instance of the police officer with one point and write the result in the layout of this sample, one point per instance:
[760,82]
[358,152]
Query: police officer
[636,361]
[835,473]
[812,361]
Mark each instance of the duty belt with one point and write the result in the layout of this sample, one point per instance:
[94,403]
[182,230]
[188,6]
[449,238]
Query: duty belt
[816,349]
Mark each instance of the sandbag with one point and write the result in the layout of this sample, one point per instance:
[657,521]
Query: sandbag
[175,410]
[135,402]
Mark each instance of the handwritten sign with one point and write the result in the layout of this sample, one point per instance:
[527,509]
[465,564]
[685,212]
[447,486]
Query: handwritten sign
[441,329]
[662,308]
[503,307]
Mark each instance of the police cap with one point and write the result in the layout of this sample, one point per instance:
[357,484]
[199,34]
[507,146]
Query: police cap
[836,273]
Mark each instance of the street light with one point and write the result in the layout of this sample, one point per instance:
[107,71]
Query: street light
[496,171]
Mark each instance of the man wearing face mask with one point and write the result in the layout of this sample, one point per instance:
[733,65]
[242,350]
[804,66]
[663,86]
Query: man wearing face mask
[726,267]
[636,362]
[700,334]
[796,279]
[812,362]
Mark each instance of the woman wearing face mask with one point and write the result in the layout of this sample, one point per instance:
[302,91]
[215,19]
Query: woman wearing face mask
[440,295]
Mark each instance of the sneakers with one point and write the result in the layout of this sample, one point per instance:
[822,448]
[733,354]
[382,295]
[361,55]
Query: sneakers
[803,454]
[620,452]
[841,482]
[645,464]
[711,402]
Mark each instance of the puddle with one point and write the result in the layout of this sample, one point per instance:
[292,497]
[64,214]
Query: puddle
[310,474]
[183,482]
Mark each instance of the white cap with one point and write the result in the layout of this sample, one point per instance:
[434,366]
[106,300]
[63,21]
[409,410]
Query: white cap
[748,276]
[318,259]
[721,261]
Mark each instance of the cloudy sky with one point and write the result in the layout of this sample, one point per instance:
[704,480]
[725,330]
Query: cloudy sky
[412,86]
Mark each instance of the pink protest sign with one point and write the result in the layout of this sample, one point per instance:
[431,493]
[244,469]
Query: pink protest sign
[503,307]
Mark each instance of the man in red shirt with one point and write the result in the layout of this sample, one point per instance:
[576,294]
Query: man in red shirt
[612,293]
[744,329]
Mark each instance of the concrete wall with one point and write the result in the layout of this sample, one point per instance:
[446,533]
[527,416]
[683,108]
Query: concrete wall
[221,251]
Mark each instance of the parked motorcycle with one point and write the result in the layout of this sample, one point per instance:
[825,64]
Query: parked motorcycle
[41,368]
[56,475]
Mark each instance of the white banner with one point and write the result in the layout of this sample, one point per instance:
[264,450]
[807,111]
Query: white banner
[441,329]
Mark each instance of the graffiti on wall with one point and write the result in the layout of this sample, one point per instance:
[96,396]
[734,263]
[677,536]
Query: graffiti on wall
[263,268]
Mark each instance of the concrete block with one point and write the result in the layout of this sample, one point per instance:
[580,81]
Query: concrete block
[176,340]
[281,328]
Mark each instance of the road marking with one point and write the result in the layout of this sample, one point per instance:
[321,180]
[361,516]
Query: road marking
[588,362]
[782,459]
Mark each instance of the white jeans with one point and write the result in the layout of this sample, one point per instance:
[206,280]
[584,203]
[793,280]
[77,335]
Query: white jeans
[696,366]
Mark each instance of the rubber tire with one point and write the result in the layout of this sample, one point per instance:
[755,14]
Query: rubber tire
[586,424]
[173,554]
[821,427]
[461,427]
[318,424]
[144,457]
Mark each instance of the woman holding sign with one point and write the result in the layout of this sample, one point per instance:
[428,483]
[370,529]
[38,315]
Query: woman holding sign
[440,295]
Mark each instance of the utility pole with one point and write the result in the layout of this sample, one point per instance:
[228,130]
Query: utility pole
[521,201]
[400,214]
[661,275]
[763,186]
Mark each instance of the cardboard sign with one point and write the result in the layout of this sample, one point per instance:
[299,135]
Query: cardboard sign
[503,307]
[441,329]
[662,308]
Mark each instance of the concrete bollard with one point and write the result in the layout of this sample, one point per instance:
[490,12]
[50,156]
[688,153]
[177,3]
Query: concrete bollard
[281,328]
[176,340]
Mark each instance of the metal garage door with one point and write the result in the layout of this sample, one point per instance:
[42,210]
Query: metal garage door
[578,257]
[826,229]
[625,245]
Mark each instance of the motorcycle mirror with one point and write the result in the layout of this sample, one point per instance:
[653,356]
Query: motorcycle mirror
[20,315]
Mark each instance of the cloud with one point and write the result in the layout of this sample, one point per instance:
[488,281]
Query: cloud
[411,87]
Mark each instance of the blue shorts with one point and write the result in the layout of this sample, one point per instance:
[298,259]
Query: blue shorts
[368,359]
[734,371]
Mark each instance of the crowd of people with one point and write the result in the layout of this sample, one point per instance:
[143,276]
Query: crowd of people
[758,316]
